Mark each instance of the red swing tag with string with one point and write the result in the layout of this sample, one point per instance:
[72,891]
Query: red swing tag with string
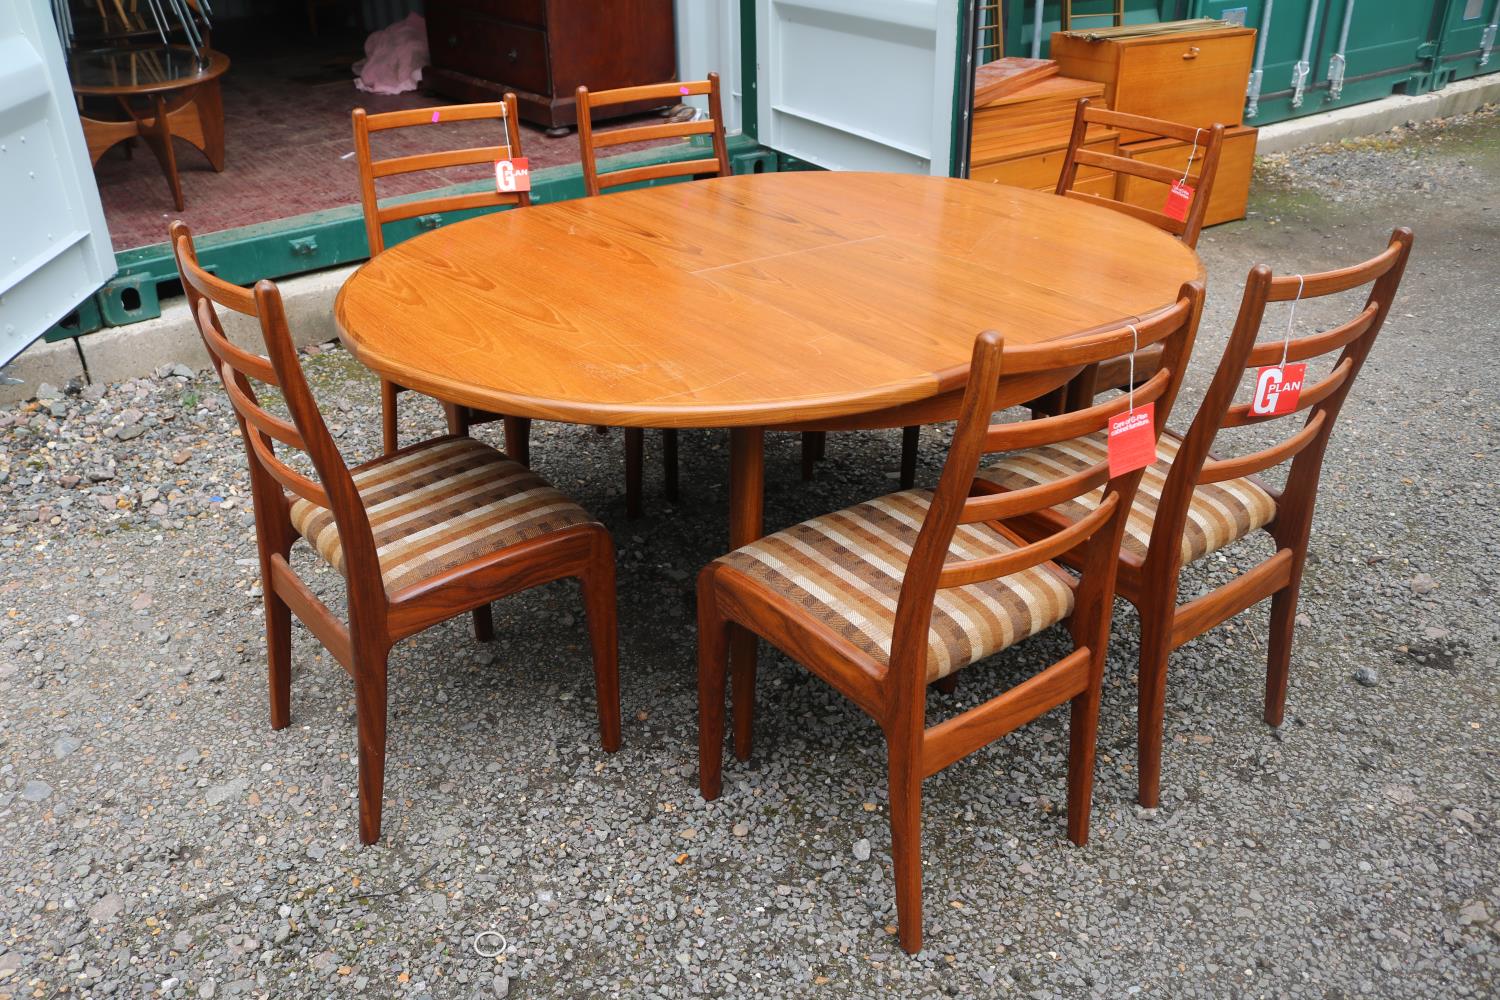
[1131,441]
[512,174]
[1180,196]
[1278,387]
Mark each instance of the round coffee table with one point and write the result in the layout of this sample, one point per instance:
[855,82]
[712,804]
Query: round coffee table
[164,91]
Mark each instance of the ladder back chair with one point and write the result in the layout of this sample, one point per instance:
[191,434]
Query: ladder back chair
[1208,143]
[882,599]
[517,429]
[596,182]
[435,530]
[1192,503]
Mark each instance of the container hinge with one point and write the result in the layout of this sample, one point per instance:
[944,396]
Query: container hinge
[1252,94]
[1487,40]
[1335,77]
[1300,73]
[305,246]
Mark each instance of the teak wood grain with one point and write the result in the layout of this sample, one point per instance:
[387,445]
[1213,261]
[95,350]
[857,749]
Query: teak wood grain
[745,301]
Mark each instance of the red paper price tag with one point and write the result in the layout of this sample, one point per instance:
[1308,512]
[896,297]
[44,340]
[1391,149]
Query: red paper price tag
[512,176]
[1277,388]
[1132,440]
[1178,200]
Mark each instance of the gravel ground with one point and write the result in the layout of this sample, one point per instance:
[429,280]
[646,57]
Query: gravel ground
[157,839]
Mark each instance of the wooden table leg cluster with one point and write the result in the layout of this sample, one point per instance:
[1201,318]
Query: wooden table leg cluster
[194,114]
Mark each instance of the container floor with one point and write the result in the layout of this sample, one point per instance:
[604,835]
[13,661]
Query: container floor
[289,145]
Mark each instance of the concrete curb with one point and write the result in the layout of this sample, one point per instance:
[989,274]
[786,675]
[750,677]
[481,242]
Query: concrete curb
[1379,116]
[126,352]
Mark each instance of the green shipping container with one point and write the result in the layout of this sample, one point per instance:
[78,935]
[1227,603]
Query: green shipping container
[1466,40]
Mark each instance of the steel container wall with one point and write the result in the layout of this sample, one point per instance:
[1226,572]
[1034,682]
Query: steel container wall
[1467,44]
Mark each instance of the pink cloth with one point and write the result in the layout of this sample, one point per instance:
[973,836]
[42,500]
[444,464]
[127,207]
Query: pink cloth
[394,57]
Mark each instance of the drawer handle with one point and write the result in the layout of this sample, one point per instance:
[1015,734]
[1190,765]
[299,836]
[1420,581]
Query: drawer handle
[1191,53]
[514,55]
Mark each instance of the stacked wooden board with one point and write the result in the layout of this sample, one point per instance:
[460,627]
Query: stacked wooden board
[1023,117]
[1192,73]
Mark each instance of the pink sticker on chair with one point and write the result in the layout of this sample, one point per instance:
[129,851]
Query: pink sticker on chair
[434,117]
[683,91]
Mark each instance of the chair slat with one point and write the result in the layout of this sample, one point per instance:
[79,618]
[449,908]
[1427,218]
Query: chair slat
[1124,165]
[425,116]
[436,161]
[1014,503]
[447,203]
[1268,352]
[226,351]
[1158,219]
[1284,288]
[963,572]
[644,133]
[289,477]
[1217,470]
[658,171]
[1140,123]
[650,92]
[240,300]
[263,421]
[1240,415]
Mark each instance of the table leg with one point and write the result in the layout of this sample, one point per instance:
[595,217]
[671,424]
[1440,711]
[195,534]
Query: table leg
[158,135]
[746,502]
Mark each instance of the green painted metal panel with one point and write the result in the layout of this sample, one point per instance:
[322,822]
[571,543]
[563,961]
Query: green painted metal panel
[1467,40]
[319,240]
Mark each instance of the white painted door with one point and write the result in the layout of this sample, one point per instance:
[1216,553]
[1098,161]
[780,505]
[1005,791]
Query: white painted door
[708,41]
[54,248]
[859,84]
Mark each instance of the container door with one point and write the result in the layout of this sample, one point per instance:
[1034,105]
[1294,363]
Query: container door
[54,249]
[1469,42]
[863,84]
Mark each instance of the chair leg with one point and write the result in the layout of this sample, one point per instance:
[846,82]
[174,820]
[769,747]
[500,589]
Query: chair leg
[669,462]
[906,842]
[370,704]
[812,450]
[743,681]
[388,415]
[1083,736]
[713,658]
[598,584]
[518,439]
[279,658]
[910,438]
[635,453]
[1279,658]
[1156,648]
[457,418]
[484,624]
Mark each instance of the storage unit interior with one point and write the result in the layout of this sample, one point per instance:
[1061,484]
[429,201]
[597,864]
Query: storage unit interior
[287,99]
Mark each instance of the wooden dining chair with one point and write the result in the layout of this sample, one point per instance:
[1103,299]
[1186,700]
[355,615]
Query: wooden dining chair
[1192,504]
[886,597]
[517,429]
[420,536]
[596,181]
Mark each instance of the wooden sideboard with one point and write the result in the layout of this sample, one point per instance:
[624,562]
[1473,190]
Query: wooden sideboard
[544,49]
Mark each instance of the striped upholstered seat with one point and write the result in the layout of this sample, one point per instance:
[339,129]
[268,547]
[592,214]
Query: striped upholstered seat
[1219,514]
[440,504]
[847,567]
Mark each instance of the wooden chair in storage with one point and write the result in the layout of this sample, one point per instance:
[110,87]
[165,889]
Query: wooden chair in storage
[1192,504]
[427,533]
[596,182]
[886,597]
[517,429]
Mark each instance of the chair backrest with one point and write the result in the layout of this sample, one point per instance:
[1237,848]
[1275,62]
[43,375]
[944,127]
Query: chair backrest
[1320,400]
[271,478]
[589,141]
[1208,141]
[503,111]
[960,500]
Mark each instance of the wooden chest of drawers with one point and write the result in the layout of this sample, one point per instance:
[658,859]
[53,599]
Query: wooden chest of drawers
[1231,183]
[1190,77]
[543,50]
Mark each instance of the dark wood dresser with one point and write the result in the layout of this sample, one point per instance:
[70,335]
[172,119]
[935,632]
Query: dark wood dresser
[543,50]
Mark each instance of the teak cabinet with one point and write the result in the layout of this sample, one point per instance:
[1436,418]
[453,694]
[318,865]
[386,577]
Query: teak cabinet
[1192,77]
[544,49]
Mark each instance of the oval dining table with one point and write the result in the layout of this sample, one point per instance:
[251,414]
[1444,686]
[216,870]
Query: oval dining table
[809,300]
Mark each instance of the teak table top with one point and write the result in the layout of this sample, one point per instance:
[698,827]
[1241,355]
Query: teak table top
[756,300]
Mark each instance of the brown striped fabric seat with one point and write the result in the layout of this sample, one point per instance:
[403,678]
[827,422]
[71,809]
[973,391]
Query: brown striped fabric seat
[847,567]
[440,504]
[1219,514]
